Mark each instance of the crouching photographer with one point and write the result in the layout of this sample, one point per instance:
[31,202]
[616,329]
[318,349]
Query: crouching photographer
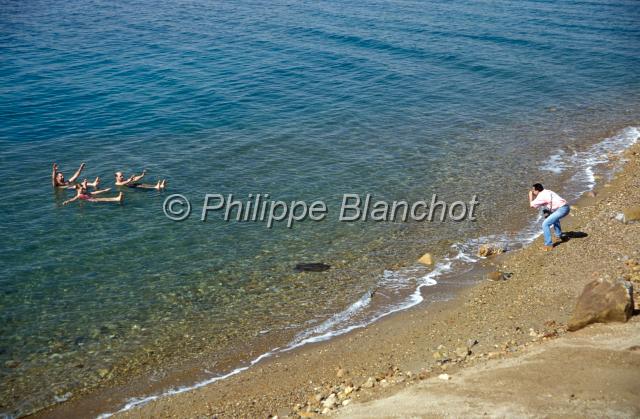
[554,209]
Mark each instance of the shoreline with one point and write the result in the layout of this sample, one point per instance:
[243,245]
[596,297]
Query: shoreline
[310,360]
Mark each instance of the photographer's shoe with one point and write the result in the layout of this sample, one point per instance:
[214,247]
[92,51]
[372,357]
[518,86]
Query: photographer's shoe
[547,248]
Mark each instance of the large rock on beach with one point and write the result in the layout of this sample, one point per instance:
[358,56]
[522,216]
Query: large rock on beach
[603,301]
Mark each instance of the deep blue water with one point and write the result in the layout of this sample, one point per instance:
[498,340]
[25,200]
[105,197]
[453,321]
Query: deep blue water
[302,100]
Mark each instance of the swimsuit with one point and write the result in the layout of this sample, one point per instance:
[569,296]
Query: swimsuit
[86,197]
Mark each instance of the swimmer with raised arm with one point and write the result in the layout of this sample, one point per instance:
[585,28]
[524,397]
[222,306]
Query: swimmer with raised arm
[58,180]
[132,182]
[85,184]
[83,195]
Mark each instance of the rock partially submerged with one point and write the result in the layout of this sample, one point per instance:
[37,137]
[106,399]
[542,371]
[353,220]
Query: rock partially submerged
[311,267]
[603,301]
[491,249]
[498,276]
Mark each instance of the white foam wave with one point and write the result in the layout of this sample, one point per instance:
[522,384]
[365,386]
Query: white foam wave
[587,162]
[136,402]
[335,326]
[556,163]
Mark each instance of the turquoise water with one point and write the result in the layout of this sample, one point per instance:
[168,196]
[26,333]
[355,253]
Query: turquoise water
[301,100]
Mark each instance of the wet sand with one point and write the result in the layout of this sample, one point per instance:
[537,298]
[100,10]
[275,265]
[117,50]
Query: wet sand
[505,318]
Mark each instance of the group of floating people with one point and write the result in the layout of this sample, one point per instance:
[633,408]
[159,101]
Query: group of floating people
[82,188]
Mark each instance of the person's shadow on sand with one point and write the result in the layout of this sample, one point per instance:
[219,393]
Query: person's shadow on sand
[572,235]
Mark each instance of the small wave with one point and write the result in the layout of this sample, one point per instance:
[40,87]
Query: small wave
[335,326]
[590,160]
[556,163]
[137,402]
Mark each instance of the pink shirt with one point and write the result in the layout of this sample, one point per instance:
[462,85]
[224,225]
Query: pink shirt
[547,197]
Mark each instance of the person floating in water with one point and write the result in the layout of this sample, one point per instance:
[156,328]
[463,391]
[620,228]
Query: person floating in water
[85,184]
[83,195]
[555,209]
[132,182]
[58,180]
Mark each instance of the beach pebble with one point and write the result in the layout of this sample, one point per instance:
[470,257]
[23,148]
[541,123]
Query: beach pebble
[495,276]
[498,276]
[330,402]
[423,375]
[444,377]
[462,352]
[12,363]
[426,259]
[370,383]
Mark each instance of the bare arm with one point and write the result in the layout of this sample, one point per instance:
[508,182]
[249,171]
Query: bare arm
[136,178]
[530,196]
[100,191]
[77,173]
[68,201]
[54,172]
[125,182]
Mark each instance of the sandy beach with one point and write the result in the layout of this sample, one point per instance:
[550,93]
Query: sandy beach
[493,332]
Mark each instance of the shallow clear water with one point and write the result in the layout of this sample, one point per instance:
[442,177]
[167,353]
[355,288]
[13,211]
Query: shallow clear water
[303,101]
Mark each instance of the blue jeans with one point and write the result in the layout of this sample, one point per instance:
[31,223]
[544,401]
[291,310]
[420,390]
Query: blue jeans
[554,220]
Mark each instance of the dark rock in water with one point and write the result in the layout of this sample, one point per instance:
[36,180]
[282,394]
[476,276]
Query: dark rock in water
[12,363]
[311,267]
